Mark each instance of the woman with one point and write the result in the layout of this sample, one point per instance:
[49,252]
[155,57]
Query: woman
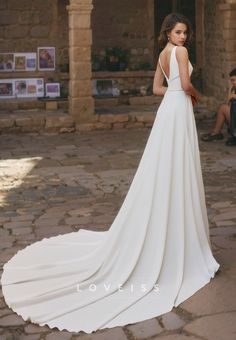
[156,253]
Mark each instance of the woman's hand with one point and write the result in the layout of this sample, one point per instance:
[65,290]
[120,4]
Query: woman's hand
[194,100]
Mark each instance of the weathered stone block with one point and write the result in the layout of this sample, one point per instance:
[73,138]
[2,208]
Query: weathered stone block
[3,4]
[80,70]
[29,105]
[145,100]
[85,127]
[82,53]
[230,45]
[8,105]
[51,105]
[229,33]
[123,117]
[28,17]
[146,118]
[67,121]
[79,20]
[107,118]
[80,88]
[106,102]
[79,37]
[23,4]
[17,31]
[23,121]
[41,5]
[8,17]
[66,130]
[58,121]
[45,17]
[39,31]
[133,125]
[102,126]
[118,125]
[6,122]
[82,109]
[230,23]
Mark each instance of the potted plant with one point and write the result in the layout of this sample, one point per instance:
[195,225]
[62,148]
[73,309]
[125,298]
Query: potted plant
[123,59]
[95,62]
[112,59]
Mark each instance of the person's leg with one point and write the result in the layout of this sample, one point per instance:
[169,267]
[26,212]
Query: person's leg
[223,115]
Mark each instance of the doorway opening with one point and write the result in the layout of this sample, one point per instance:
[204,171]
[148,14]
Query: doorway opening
[163,8]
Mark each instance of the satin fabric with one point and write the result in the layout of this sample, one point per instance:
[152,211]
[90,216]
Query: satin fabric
[155,255]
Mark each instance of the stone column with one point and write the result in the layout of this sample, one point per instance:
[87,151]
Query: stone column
[81,102]
[228,11]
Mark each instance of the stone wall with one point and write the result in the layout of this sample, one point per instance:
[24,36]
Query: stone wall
[26,24]
[220,46]
[129,25]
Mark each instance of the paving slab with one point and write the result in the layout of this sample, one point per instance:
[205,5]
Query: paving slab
[145,329]
[214,327]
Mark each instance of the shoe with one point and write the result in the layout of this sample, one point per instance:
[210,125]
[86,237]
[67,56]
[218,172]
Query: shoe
[212,136]
[231,141]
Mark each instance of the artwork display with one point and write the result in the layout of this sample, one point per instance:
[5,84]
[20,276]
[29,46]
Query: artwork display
[52,90]
[25,61]
[6,88]
[25,87]
[46,58]
[28,61]
[6,62]
[103,87]
[31,87]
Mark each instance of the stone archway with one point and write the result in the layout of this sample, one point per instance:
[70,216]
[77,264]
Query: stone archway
[81,101]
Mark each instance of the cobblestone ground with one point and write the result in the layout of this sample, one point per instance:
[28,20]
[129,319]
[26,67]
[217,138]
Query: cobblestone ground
[55,184]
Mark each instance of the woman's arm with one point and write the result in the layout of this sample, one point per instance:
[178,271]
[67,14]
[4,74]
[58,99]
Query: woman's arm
[158,88]
[183,61]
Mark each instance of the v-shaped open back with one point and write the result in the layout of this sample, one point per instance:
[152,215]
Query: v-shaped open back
[167,78]
[174,81]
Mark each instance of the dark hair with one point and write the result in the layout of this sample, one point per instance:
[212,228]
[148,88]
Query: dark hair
[169,23]
[232,73]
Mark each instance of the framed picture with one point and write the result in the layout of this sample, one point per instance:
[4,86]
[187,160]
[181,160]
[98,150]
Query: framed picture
[52,90]
[25,61]
[103,87]
[21,87]
[46,58]
[29,88]
[6,88]
[6,62]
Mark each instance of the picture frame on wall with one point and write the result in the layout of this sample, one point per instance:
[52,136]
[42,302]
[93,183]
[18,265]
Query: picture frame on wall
[46,58]
[7,62]
[52,90]
[29,87]
[25,61]
[6,88]
[103,87]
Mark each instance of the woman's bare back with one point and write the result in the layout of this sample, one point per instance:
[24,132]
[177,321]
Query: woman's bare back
[165,60]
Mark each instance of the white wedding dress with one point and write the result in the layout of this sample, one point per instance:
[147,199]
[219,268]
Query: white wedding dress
[155,255]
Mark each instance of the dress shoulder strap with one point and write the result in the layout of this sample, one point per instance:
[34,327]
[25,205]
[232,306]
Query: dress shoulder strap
[174,48]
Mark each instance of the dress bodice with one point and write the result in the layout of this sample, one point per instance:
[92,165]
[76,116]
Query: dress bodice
[174,83]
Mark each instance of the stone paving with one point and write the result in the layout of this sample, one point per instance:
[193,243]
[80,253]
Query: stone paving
[53,184]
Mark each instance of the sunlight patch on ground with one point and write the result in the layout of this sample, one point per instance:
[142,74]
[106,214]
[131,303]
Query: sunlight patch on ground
[13,172]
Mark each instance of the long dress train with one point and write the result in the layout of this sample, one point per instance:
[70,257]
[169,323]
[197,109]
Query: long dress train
[155,255]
